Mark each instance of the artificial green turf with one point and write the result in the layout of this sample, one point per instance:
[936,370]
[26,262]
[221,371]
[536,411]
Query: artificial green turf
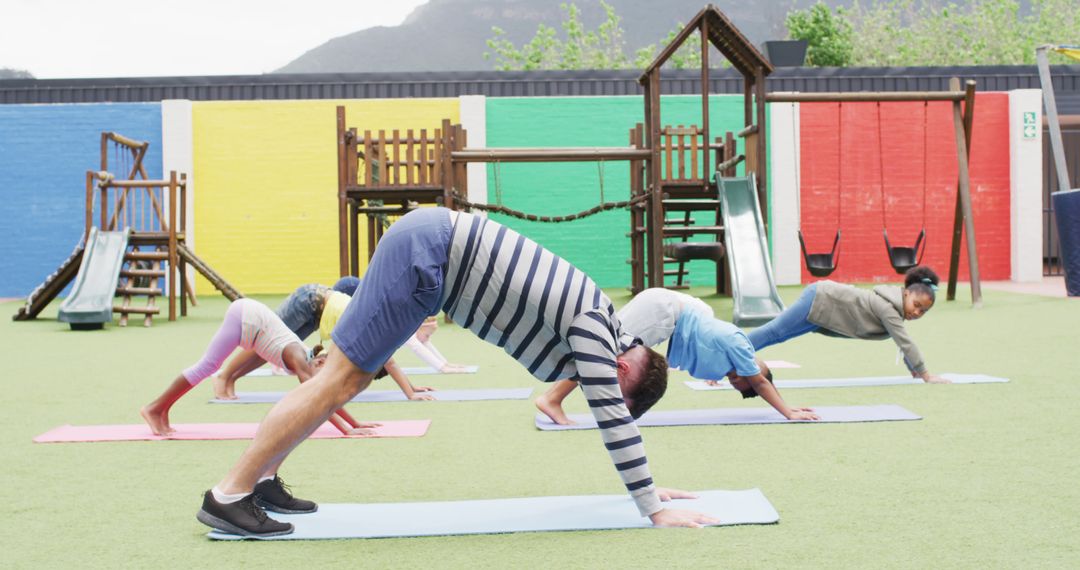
[987,478]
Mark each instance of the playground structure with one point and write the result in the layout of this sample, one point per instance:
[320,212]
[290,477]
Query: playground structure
[674,169]
[137,242]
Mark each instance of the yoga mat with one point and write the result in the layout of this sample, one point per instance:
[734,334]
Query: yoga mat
[737,416]
[493,516]
[855,382]
[781,364]
[141,432]
[408,370]
[395,396]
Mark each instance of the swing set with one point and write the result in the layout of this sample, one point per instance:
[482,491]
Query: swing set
[903,257]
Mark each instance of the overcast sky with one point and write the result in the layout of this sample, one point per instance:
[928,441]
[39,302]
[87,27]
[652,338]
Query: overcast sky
[140,38]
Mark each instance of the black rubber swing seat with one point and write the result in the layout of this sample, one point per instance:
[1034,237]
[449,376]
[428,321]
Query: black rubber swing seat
[685,251]
[904,258]
[821,264]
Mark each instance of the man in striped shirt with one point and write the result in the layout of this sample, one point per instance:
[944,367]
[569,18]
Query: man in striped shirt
[508,290]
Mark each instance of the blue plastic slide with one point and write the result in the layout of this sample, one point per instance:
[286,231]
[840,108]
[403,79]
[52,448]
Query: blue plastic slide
[753,287]
[90,303]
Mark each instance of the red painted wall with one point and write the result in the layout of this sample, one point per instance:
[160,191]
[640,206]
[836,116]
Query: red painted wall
[850,168]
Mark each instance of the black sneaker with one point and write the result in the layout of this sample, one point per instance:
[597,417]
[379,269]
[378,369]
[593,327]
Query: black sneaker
[274,495]
[243,517]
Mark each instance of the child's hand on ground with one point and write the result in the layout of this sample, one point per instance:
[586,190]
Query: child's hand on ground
[449,368]
[423,389]
[935,379]
[803,414]
[418,397]
[669,494]
[713,382]
[361,431]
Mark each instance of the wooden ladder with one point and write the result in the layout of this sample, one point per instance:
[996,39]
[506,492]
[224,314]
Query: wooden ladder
[140,278]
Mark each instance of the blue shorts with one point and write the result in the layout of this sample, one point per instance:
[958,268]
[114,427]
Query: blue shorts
[402,287]
[302,310]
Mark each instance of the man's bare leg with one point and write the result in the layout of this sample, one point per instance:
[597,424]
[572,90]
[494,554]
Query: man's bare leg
[294,418]
[550,402]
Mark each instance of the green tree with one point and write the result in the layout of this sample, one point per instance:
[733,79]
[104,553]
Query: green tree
[581,48]
[978,32]
[828,34]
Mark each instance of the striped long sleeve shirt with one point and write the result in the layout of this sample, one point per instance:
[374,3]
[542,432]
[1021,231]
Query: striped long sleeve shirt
[555,321]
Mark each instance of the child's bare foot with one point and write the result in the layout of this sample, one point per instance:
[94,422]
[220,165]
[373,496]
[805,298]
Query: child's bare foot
[223,389]
[552,409]
[159,423]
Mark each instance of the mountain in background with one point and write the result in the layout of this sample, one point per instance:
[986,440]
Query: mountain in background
[451,35]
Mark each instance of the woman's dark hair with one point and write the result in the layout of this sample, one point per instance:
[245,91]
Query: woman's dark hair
[921,279]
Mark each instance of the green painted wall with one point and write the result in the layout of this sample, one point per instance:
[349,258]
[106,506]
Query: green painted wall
[597,245]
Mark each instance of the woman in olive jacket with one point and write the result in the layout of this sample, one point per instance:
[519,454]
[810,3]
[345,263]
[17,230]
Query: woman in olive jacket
[836,309]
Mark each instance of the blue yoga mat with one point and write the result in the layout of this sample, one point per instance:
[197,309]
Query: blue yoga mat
[737,416]
[856,382]
[395,396]
[494,516]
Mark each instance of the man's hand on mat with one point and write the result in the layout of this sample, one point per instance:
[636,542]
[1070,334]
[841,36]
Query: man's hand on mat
[669,494]
[679,517]
[803,414]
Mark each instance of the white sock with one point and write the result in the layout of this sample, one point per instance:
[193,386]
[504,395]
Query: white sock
[266,478]
[226,499]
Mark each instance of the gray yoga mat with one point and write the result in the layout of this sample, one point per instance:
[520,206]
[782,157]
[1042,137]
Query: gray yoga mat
[737,416]
[856,382]
[494,516]
[408,370]
[394,396]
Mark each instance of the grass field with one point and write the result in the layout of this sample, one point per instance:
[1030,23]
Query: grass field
[986,479]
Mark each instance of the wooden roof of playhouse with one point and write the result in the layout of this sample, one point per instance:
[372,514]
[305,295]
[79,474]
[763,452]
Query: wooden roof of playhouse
[723,35]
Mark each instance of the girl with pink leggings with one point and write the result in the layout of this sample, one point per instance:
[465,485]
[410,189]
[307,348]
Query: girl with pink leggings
[253,326]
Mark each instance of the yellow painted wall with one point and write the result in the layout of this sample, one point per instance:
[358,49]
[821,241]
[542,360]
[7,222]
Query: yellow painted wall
[266,184]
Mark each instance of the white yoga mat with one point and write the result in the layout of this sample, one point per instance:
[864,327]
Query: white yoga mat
[395,396]
[494,516]
[737,416]
[781,364]
[856,382]
[408,370]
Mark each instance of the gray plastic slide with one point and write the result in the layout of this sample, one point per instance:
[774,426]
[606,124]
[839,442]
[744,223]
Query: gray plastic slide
[89,305]
[752,283]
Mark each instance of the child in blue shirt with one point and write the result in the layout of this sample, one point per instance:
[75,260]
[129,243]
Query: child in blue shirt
[699,343]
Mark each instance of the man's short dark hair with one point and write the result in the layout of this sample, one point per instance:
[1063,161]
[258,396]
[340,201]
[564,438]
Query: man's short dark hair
[651,385]
[750,392]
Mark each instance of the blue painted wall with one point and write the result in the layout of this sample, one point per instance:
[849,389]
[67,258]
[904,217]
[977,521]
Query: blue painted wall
[45,151]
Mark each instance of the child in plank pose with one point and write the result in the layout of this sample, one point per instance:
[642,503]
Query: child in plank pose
[837,309]
[253,326]
[701,344]
[310,307]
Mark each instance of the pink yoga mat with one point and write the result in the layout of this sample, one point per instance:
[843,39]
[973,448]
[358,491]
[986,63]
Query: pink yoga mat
[141,432]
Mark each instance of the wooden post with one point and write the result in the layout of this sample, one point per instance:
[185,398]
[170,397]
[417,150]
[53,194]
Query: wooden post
[962,123]
[655,223]
[172,245]
[705,99]
[89,205]
[343,215]
[762,148]
[185,288]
